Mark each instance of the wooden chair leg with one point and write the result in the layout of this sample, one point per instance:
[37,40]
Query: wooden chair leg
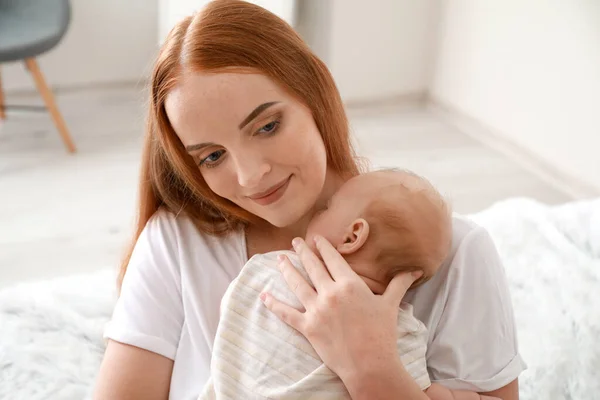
[2,113]
[46,94]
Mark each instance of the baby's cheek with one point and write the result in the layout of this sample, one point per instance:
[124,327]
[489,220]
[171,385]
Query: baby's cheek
[320,226]
[311,231]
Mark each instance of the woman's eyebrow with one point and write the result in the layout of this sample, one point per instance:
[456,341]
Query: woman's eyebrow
[198,146]
[255,113]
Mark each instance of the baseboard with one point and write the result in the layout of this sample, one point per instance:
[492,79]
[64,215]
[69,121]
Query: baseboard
[62,89]
[570,185]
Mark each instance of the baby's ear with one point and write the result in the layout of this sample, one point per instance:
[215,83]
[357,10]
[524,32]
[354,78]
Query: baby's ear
[355,237]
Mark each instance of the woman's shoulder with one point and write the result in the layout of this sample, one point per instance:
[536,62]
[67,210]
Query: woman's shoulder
[472,260]
[462,226]
[174,239]
[469,240]
[179,229]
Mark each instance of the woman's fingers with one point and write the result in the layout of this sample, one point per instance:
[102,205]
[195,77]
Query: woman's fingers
[296,282]
[399,285]
[314,267]
[287,314]
[336,264]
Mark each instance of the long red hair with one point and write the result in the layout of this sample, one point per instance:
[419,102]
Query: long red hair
[229,33]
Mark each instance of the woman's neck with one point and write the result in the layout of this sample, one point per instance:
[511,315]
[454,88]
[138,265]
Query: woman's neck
[265,237]
[331,185]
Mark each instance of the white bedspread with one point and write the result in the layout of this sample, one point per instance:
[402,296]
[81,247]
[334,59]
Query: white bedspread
[552,259]
[51,332]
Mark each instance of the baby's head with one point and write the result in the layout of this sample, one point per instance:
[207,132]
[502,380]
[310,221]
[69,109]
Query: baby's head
[386,222]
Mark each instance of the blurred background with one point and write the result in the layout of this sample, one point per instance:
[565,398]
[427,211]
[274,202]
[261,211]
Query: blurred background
[489,99]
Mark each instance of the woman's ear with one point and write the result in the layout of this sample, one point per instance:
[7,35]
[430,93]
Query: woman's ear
[355,237]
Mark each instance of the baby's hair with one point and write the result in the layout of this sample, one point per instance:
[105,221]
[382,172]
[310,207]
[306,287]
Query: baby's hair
[410,226]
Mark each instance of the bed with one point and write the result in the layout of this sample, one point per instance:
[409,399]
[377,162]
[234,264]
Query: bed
[51,332]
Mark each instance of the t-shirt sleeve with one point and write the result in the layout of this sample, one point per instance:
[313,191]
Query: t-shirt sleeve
[149,311]
[474,346]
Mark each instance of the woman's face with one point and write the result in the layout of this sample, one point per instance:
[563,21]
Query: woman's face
[254,144]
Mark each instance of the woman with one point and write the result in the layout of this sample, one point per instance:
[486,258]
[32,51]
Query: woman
[247,138]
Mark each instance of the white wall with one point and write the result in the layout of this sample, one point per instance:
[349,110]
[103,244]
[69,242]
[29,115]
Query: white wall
[108,41]
[375,50]
[313,23]
[171,11]
[530,71]
[382,49]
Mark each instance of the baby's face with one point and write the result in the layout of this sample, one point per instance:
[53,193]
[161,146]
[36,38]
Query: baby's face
[333,221]
[344,207]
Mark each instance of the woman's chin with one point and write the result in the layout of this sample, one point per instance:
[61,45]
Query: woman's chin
[284,217]
[281,221]
[289,213]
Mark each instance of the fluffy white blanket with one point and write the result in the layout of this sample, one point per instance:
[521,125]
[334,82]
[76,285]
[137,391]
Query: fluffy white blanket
[51,332]
[552,260]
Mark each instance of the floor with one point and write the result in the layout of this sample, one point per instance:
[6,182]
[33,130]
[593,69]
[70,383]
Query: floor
[62,214]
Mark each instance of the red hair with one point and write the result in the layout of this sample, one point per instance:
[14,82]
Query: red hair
[229,33]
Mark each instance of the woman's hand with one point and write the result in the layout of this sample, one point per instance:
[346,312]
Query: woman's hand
[353,330]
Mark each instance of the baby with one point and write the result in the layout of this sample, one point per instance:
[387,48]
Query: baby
[383,223]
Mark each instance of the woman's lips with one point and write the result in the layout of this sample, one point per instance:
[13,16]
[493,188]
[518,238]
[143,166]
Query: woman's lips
[272,194]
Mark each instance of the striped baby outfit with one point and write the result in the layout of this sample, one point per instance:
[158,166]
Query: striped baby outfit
[258,356]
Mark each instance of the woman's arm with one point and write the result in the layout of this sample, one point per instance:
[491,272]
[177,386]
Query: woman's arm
[128,372]
[474,341]
[147,320]
[439,392]
[388,381]
[508,392]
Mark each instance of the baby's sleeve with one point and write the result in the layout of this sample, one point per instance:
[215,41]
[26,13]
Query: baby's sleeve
[412,345]
[149,311]
[474,346]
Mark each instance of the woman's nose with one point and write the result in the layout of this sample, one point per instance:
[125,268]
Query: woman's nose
[251,170]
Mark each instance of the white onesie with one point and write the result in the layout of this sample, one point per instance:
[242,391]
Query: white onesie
[258,356]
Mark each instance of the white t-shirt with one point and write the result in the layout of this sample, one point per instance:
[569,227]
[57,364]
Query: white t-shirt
[172,290]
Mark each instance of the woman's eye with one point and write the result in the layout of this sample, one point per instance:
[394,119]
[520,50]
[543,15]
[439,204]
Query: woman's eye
[271,127]
[212,158]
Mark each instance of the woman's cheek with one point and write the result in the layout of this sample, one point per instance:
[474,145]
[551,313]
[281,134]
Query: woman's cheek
[217,183]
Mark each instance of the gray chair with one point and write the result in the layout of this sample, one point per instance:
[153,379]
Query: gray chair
[29,28]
